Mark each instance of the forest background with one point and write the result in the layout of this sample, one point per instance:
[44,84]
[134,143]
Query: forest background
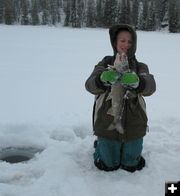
[146,15]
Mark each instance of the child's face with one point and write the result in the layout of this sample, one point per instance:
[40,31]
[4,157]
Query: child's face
[124,42]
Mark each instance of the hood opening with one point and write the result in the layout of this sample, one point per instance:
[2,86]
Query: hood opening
[113,32]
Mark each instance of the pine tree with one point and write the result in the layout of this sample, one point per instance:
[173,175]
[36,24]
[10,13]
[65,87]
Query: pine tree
[1,11]
[8,12]
[73,15]
[67,11]
[110,13]
[59,9]
[150,21]
[164,21]
[53,11]
[173,16]
[14,6]
[124,16]
[76,15]
[159,12]
[134,14]
[80,13]
[143,15]
[128,11]
[100,12]
[34,13]
[91,14]
[45,12]
[24,5]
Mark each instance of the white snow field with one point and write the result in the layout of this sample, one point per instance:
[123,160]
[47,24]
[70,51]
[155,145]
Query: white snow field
[44,104]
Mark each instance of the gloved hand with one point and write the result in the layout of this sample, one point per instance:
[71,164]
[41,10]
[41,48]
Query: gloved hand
[110,76]
[130,80]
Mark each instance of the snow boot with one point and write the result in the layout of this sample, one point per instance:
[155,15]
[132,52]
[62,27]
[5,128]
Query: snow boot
[100,165]
[138,167]
[95,143]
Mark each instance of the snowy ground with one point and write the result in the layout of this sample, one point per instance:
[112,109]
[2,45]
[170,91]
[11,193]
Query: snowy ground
[43,104]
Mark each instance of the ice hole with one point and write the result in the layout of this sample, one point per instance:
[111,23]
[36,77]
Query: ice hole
[16,155]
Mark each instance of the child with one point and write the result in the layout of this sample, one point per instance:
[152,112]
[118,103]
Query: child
[119,115]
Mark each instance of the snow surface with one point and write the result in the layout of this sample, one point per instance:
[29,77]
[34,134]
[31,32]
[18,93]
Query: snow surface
[44,104]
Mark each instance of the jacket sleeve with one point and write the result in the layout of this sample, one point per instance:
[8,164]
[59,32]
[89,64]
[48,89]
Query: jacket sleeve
[93,83]
[147,85]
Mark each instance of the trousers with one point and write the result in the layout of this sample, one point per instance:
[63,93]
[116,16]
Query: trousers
[115,153]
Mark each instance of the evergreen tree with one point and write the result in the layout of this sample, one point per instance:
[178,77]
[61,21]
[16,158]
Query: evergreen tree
[34,12]
[53,11]
[128,11]
[143,15]
[59,9]
[150,21]
[24,4]
[124,16]
[76,15]
[16,10]
[8,12]
[99,12]
[174,16]
[159,12]
[164,22]
[67,11]
[110,13]
[45,7]
[73,15]
[1,11]
[80,13]
[134,14]
[91,14]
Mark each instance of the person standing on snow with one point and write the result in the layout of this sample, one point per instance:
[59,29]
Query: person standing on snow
[119,83]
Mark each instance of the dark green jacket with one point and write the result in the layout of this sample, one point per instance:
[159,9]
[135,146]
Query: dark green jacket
[134,118]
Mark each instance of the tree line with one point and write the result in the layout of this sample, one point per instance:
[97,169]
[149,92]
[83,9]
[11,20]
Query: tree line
[148,15]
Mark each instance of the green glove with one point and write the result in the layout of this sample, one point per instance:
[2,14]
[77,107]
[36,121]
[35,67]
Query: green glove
[130,79]
[109,76]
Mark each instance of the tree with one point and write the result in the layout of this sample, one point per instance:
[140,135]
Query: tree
[134,13]
[80,13]
[45,15]
[143,15]
[76,15]
[110,12]
[8,12]
[164,21]
[73,15]
[54,11]
[99,12]
[124,16]
[24,4]
[67,10]
[174,16]
[1,11]
[150,21]
[34,12]
[91,14]
[59,9]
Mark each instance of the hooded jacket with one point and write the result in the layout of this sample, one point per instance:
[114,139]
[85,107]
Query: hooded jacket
[134,118]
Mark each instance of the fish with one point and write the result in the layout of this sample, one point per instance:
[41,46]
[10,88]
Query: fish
[118,92]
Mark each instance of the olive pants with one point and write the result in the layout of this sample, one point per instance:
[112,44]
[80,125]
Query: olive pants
[115,153]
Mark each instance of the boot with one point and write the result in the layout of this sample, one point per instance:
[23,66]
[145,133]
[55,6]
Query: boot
[138,167]
[100,165]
